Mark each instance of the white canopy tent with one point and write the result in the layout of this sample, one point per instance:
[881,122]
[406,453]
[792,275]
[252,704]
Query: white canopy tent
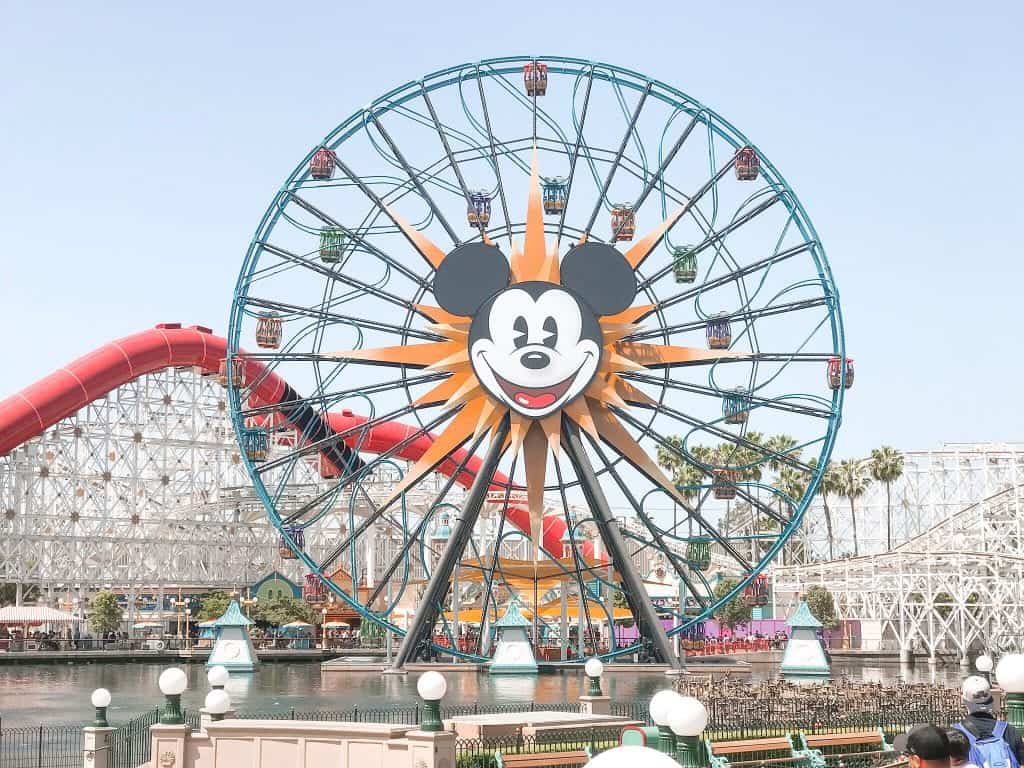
[32,615]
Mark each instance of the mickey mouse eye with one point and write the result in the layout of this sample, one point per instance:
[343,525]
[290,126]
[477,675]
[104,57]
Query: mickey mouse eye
[550,332]
[522,331]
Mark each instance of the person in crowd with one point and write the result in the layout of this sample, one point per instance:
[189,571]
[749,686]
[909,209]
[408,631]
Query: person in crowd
[926,746]
[994,743]
[959,749]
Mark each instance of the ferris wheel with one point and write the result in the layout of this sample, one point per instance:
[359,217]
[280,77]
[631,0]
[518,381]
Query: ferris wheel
[573,323]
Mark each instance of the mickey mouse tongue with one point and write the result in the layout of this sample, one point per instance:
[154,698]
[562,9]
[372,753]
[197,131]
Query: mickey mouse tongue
[534,398]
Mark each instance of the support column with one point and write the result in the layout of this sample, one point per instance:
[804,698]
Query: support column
[96,747]
[647,618]
[440,581]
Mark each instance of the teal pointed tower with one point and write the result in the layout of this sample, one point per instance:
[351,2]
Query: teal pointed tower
[513,654]
[805,653]
[233,646]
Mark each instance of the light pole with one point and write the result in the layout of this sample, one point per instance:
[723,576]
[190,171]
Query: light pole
[218,677]
[101,700]
[1010,676]
[431,687]
[217,703]
[323,628]
[594,669]
[688,719]
[173,683]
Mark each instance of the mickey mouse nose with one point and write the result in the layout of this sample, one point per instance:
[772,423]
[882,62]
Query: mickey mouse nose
[535,360]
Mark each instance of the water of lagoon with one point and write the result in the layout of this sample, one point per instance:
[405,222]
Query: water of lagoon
[31,694]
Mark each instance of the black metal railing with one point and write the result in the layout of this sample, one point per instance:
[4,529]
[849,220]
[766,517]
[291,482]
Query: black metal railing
[41,746]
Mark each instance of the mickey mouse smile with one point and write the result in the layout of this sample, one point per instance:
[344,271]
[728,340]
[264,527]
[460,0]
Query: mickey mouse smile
[535,398]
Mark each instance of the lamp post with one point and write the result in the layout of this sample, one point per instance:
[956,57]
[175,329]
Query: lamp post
[218,677]
[661,706]
[431,687]
[217,703]
[984,665]
[594,668]
[1010,676]
[101,700]
[323,628]
[173,683]
[688,719]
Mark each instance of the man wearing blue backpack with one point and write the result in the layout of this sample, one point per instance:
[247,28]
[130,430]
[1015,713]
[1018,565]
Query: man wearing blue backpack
[994,743]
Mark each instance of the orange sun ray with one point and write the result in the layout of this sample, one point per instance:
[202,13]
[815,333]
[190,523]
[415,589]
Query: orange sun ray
[666,355]
[578,411]
[414,355]
[439,315]
[440,393]
[643,247]
[424,247]
[630,315]
[534,261]
[535,454]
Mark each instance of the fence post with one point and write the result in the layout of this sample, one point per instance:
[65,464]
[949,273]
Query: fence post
[96,747]
[293,713]
[355,713]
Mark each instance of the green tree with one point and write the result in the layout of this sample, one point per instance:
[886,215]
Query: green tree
[104,613]
[822,605]
[943,604]
[674,459]
[282,610]
[736,611]
[886,465]
[9,593]
[214,606]
[826,486]
[779,448]
[852,481]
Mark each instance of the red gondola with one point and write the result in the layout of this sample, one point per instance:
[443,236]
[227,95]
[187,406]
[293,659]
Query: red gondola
[237,373]
[321,165]
[269,329]
[835,373]
[723,482]
[535,77]
[747,164]
[756,592]
[623,221]
[313,590]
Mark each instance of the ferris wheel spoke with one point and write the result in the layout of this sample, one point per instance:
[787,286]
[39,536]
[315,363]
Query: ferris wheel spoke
[734,276]
[745,317]
[752,399]
[333,317]
[414,178]
[718,236]
[618,156]
[341,277]
[659,174]
[444,142]
[663,546]
[575,156]
[355,236]
[494,154]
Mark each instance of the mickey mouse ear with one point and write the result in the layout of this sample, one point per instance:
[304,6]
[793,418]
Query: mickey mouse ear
[468,276]
[600,275]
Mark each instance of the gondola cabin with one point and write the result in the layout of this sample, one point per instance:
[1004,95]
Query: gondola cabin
[326,468]
[835,373]
[736,406]
[298,537]
[269,329]
[237,378]
[313,590]
[555,192]
[698,553]
[535,78]
[723,483]
[321,165]
[478,212]
[719,331]
[332,244]
[747,164]
[756,592]
[684,264]
[623,222]
[257,443]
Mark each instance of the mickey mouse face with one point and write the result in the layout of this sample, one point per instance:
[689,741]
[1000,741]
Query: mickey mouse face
[535,346]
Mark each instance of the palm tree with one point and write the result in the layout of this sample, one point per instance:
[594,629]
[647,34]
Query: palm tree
[793,483]
[779,446]
[852,481]
[825,487]
[886,465]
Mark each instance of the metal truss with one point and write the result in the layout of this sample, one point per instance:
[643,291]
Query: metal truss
[954,588]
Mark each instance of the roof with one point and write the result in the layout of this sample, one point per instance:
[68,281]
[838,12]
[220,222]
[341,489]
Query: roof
[34,614]
[802,617]
[513,617]
[233,617]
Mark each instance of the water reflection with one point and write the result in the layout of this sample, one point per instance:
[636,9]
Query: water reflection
[59,693]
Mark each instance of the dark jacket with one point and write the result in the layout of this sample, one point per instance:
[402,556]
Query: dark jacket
[981,724]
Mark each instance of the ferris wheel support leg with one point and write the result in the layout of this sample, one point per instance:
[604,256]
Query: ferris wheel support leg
[440,580]
[633,586]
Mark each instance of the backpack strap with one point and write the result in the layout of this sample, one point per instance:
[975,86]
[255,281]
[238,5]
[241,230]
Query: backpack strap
[971,736]
[1000,729]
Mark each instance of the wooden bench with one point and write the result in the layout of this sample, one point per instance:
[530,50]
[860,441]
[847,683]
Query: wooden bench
[542,759]
[841,750]
[778,750]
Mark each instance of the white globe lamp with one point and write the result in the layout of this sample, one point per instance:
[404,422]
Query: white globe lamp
[173,683]
[101,700]
[218,676]
[984,663]
[632,757]
[1010,676]
[661,706]
[594,669]
[217,703]
[688,719]
[431,687]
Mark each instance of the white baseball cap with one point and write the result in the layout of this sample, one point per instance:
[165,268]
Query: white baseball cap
[977,694]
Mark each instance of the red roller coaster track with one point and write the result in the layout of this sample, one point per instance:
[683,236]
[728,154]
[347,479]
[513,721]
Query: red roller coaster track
[30,412]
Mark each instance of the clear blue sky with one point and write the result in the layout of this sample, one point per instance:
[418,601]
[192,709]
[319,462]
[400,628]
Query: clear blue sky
[141,143]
